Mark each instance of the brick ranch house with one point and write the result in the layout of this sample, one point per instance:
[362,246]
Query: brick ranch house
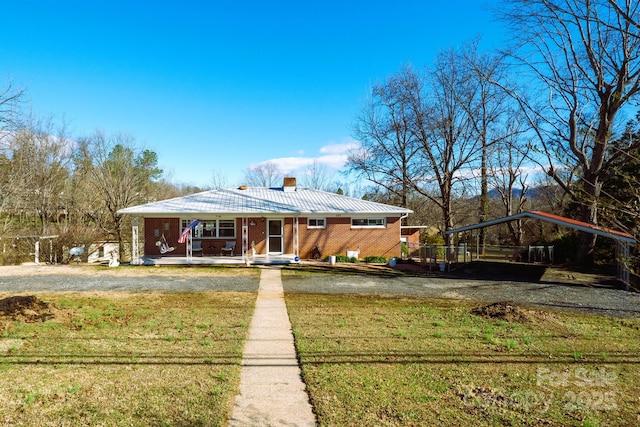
[269,222]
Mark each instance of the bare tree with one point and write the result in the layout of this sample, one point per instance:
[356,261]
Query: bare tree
[219,180]
[118,175]
[622,8]
[508,177]
[316,176]
[10,100]
[489,110]
[388,151]
[445,131]
[583,57]
[426,133]
[266,174]
[39,169]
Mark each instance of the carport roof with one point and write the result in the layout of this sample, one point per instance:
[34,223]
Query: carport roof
[264,201]
[555,219]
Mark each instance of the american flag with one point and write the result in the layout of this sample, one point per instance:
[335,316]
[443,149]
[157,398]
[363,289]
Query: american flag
[183,237]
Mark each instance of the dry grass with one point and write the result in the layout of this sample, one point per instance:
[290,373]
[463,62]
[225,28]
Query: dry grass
[124,359]
[410,361]
[93,270]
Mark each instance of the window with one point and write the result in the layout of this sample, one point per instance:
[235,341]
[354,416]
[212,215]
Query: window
[226,228]
[368,222]
[316,223]
[206,229]
[212,229]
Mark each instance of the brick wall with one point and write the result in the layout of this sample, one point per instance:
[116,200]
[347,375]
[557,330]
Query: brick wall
[337,238]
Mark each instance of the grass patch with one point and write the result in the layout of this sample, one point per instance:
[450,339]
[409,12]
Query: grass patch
[125,359]
[409,361]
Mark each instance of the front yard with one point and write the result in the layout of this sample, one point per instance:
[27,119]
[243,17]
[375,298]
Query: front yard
[134,359]
[159,357]
[410,361]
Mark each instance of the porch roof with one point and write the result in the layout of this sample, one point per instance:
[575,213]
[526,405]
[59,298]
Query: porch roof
[263,201]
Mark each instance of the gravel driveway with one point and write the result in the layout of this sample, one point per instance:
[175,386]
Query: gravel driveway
[71,278]
[579,295]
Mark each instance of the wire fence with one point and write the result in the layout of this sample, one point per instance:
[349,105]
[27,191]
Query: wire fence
[442,257]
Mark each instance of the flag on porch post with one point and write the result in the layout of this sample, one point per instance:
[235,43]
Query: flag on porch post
[183,237]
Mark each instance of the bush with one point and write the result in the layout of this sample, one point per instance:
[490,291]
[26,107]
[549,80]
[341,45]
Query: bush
[343,258]
[404,250]
[375,259]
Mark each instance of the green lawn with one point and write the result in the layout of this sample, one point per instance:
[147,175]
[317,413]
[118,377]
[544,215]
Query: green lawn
[155,358]
[116,359]
[410,361]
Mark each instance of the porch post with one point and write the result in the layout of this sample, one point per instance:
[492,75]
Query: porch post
[189,246]
[296,250]
[135,253]
[245,237]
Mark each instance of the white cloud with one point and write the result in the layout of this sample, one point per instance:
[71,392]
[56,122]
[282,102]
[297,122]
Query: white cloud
[333,155]
[338,148]
[290,164]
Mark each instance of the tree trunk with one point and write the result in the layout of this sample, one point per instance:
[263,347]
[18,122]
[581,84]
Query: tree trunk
[484,198]
[447,216]
[590,216]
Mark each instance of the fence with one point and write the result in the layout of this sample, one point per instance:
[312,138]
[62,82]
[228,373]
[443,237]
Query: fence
[441,257]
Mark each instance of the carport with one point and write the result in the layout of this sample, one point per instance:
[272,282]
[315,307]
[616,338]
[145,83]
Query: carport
[624,240]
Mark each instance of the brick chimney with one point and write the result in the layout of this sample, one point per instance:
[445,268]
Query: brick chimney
[289,185]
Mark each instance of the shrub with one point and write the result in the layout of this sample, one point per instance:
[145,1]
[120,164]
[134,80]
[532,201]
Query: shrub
[343,258]
[375,259]
[404,250]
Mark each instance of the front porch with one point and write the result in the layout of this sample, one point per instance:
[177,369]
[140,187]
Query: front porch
[283,259]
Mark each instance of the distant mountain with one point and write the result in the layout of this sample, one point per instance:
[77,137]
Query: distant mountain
[533,193]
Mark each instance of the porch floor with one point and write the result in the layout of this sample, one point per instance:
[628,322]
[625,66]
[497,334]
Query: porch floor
[221,260]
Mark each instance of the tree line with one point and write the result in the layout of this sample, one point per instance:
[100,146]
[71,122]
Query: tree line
[53,185]
[554,101]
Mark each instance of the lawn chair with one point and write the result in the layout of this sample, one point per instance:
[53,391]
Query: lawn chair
[163,245]
[196,246]
[229,246]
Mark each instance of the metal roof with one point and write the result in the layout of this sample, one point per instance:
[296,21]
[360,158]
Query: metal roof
[555,219]
[263,201]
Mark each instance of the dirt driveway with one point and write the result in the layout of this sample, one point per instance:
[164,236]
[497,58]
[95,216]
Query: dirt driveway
[580,293]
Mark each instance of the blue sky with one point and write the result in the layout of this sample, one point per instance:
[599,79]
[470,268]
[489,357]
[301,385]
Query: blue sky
[224,85]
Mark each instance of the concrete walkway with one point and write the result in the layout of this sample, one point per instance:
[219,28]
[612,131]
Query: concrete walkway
[271,390]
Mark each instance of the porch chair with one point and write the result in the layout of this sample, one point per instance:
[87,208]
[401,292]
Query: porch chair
[196,246]
[229,246]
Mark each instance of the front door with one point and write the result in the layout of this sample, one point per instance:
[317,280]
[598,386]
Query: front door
[274,240]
